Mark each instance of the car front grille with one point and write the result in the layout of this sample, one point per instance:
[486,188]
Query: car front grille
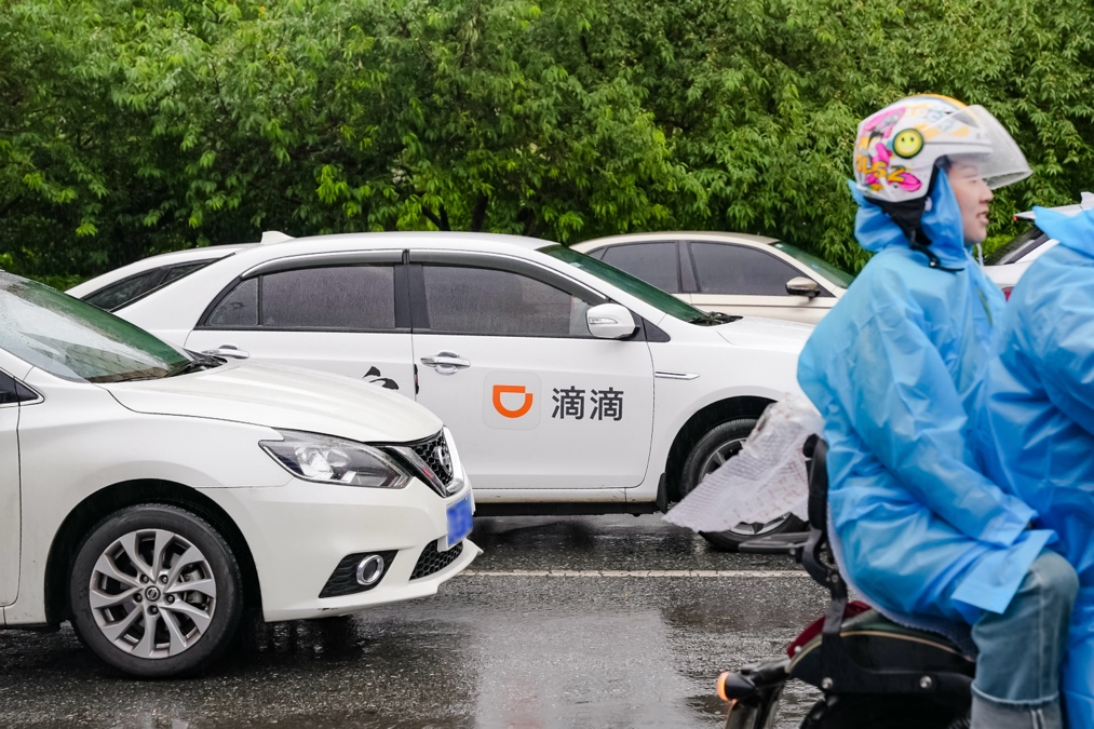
[432,461]
[432,561]
[435,454]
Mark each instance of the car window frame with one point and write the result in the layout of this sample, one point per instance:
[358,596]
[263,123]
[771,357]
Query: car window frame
[340,259]
[419,300]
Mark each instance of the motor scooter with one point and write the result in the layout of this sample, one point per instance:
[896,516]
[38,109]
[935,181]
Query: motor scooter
[873,673]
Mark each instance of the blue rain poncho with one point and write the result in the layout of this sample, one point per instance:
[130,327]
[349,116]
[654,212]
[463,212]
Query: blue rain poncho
[894,369]
[1036,422]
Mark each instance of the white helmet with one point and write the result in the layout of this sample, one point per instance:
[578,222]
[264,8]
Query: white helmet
[898,147]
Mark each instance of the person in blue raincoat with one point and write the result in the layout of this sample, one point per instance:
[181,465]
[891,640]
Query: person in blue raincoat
[1036,423]
[894,369]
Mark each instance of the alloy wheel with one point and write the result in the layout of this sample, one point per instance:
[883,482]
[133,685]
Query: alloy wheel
[152,593]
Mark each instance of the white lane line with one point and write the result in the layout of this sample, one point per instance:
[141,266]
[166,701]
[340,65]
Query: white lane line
[762,574]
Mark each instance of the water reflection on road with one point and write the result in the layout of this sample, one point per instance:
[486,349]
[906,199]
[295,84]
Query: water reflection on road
[495,649]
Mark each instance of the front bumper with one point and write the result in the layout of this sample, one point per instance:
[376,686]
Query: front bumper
[299,533]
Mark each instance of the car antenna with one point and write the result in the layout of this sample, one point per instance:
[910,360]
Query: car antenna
[274,236]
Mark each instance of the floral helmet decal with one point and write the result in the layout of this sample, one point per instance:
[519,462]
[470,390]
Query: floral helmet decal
[898,147]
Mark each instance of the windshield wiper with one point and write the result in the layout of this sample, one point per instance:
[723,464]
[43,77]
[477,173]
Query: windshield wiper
[712,318]
[200,362]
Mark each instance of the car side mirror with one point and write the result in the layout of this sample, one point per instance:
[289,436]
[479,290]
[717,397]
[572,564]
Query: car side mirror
[610,321]
[802,286]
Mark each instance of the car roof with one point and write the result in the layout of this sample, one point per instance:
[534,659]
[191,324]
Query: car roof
[1086,201]
[462,241]
[714,236]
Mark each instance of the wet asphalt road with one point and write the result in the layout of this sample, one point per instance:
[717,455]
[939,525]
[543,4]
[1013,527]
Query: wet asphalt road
[505,645]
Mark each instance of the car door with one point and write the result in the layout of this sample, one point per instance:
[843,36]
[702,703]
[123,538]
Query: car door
[11,395]
[534,401]
[333,313]
[742,280]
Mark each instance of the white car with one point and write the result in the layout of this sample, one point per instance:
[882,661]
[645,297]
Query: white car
[571,386]
[734,273]
[152,497]
[1006,264]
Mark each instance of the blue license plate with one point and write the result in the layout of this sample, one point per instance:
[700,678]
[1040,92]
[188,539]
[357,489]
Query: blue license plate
[459,522]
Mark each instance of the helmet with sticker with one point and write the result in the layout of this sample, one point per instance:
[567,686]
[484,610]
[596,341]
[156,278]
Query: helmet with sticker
[899,148]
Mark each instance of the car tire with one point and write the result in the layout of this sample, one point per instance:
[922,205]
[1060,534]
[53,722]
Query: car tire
[720,444]
[161,567]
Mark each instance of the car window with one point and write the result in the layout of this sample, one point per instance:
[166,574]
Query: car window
[636,287]
[344,297]
[337,298]
[490,302]
[656,263]
[1018,247]
[821,266]
[74,340]
[723,268]
[122,292]
[239,309]
[176,272]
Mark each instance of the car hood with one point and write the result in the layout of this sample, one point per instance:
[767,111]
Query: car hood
[283,397]
[757,332]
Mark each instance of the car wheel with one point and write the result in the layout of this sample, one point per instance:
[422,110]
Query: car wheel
[715,448]
[155,591]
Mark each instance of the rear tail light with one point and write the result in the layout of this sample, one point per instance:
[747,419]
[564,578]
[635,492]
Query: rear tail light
[1006,291]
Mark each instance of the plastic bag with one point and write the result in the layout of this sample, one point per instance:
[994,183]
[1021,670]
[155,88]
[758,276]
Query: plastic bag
[761,483]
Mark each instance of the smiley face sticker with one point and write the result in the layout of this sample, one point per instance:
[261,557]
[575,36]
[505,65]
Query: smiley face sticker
[908,143]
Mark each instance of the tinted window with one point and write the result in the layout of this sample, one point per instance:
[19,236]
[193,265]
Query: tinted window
[1018,247]
[490,302]
[348,297]
[239,308]
[176,272]
[124,291]
[739,271]
[655,263]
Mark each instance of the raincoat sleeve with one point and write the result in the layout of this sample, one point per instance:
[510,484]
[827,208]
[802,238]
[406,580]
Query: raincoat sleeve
[904,405]
[1066,358]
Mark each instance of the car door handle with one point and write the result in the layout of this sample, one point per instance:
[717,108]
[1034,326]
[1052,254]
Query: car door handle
[228,351]
[446,363]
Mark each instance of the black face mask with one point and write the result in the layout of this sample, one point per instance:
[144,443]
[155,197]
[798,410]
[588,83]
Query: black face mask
[908,215]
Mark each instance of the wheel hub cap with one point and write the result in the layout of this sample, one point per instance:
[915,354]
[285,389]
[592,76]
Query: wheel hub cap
[176,609]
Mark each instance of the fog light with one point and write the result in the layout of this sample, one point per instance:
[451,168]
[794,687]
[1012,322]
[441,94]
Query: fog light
[370,570]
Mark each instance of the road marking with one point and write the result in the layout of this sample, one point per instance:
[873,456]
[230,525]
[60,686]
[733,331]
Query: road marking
[764,574]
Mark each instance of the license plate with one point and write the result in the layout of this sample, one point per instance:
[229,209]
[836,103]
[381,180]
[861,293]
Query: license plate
[459,522]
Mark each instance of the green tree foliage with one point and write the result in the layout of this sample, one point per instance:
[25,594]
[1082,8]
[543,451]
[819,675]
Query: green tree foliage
[129,127]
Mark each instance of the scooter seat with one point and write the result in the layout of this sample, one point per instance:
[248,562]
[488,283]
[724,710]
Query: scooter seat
[876,643]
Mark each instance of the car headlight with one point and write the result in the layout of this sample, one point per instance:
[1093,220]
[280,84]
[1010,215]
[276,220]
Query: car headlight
[325,459]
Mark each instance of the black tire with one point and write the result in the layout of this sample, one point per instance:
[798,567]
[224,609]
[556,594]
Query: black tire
[719,444]
[174,599]
[885,712]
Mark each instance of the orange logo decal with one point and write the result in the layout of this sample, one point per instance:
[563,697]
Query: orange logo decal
[520,412]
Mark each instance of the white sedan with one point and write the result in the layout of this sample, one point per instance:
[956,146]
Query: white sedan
[152,497]
[571,386]
[734,273]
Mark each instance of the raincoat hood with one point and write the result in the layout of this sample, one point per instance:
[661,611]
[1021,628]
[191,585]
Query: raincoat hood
[876,231]
[1074,231]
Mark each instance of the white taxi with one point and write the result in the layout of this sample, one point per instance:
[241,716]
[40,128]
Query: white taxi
[153,497]
[571,386]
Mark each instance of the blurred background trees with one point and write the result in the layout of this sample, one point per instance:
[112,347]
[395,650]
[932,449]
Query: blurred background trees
[131,127]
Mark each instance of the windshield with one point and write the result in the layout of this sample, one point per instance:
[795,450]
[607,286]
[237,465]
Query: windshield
[634,286]
[819,265]
[71,339]
[1017,247]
